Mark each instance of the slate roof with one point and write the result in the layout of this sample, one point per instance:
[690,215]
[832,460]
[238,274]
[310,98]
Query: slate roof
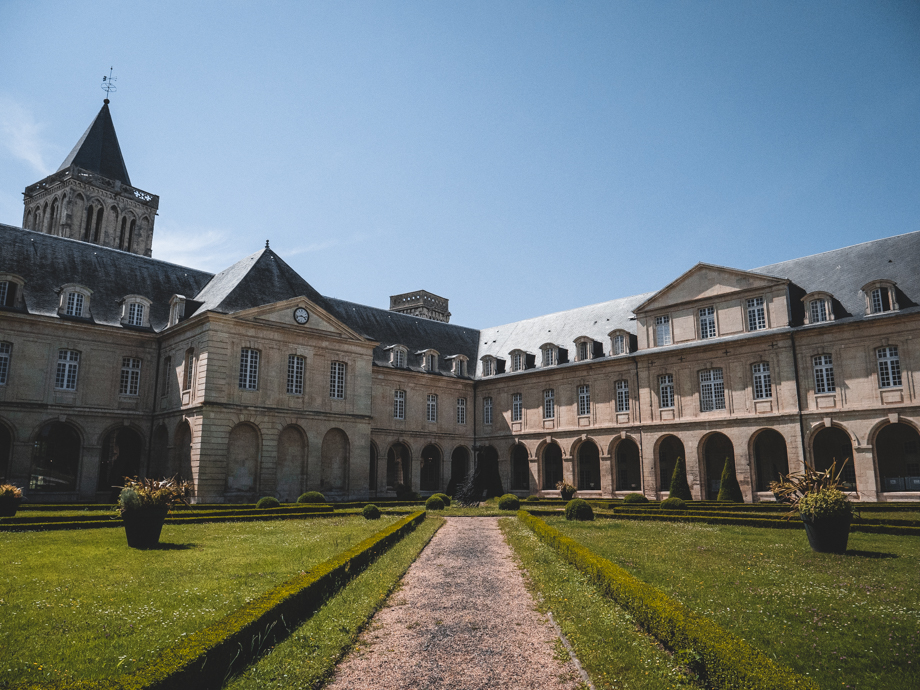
[98,150]
[47,262]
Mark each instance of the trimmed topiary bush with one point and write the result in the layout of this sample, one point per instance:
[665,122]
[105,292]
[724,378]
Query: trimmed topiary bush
[311,497]
[578,509]
[635,498]
[445,498]
[729,490]
[434,503]
[268,502]
[532,499]
[509,502]
[371,512]
[679,486]
[673,503]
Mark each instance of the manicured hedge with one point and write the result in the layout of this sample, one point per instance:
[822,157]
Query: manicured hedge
[206,658]
[727,661]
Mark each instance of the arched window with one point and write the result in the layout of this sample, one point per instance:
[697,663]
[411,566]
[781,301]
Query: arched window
[292,464]
[334,467]
[130,241]
[430,471]
[243,451]
[97,231]
[552,466]
[520,468]
[589,467]
[629,467]
[897,449]
[124,229]
[88,225]
[122,451]
[55,458]
[716,450]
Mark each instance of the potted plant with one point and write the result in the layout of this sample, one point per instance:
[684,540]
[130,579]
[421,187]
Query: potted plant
[816,498]
[144,504]
[10,498]
[567,490]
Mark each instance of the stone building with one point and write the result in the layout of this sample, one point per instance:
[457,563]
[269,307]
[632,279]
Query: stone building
[250,382]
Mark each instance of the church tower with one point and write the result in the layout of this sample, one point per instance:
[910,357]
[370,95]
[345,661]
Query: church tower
[90,197]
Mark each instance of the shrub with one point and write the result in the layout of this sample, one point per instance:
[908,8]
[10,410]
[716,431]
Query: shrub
[578,509]
[8,491]
[826,504]
[509,502]
[149,493]
[673,503]
[268,502]
[311,497]
[532,499]
[434,503]
[371,512]
[635,498]
[679,486]
[405,493]
[729,490]
[567,490]
[445,498]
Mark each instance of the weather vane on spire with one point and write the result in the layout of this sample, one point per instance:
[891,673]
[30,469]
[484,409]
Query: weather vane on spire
[108,84]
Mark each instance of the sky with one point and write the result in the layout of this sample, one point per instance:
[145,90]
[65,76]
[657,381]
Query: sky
[518,158]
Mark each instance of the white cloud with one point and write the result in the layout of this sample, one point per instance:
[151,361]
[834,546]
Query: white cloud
[203,248]
[21,135]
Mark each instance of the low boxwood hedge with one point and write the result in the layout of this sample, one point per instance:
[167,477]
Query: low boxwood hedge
[727,662]
[509,502]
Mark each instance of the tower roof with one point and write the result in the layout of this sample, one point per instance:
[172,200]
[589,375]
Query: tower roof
[98,150]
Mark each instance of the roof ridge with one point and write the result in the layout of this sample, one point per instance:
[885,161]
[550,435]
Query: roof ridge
[565,311]
[838,249]
[401,315]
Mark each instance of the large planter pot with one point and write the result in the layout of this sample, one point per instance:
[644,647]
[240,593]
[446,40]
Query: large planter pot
[9,506]
[143,527]
[828,535]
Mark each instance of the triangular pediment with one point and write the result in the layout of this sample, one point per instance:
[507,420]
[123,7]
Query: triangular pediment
[705,282]
[318,320]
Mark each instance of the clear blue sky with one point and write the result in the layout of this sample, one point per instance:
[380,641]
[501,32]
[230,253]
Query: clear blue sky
[519,158]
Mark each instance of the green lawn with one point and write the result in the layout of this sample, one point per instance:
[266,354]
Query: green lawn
[81,604]
[848,621]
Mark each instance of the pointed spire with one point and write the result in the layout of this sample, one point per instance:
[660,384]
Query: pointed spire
[98,150]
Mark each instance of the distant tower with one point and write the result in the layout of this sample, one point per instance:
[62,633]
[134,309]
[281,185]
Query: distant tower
[421,303]
[90,197]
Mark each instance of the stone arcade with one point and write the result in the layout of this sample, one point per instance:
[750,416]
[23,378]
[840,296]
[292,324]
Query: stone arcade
[250,382]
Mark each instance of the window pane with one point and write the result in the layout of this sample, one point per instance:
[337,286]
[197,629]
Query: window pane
[707,323]
[517,406]
[5,351]
[622,396]
[295,375]
[487,411]
[757,319]
[337,380]
[249,369]
[662,330]
[549,404]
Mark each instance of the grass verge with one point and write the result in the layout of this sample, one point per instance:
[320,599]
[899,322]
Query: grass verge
[845,621]
[613,651]
[308,657]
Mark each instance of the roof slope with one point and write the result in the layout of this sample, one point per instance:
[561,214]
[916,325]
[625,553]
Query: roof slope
[47,262]
[98,150]
[260,278]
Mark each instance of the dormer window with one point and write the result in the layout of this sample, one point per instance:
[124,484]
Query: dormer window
[176,309]
[488,365]
[458,366]
[818,307]
[550,354]
[10,289]
[584,348]
[880,297]
[662,330]
[136,311]
[429,360]
[75,301]
[619,342]
[518,360]
[398,356]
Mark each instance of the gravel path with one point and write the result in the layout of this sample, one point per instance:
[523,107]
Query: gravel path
[462,619]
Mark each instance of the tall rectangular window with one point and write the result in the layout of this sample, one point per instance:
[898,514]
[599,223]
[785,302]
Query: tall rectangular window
[487,367]
[880,300]
[712,390]
[549,404]
[666,390]
[431,410]
[756,316]
[487,411]
[584,400]
[130,376]
[432,362]
[517,407]
[889,367]
[707,323]
[549,356]
[337,380]
[295,374]
[817,311]
[583,351]
[824,374]
[249,369]
[189,369]
[167,375]
[399,358]
[135,314]
[461,410]
[662,330]
[74,304]
[622,396]
[4,292]
[619,344]
[68,367]
[399,404]
[763,386]
[6,350]
[517,361]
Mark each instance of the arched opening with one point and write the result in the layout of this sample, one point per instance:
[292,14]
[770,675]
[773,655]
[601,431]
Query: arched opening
[629,466]
[182,451]
[832,444]
[459,468]
[716,449]
[88,225]
[292,464]
[52,227]
[55,458]
[552,466]
[372,470]
[430,471]
[589,467]
[124,229]
[669,449]
[897,450]
[520,468]
[770,458]
[399,467]
[243,451]
[97,231]
[28,224]
[334,460]
[122,450]
[486,471]
[6,452]
[159,458]
[131,234]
